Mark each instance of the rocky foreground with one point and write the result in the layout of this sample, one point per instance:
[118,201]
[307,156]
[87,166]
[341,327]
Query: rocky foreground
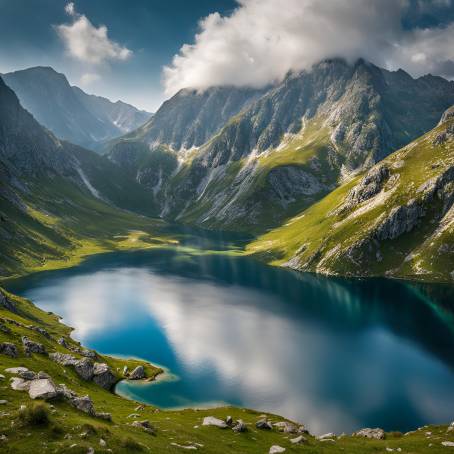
[56,396]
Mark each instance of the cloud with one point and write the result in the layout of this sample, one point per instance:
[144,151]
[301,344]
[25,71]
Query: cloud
[89,78]
[263,39]
[87,43]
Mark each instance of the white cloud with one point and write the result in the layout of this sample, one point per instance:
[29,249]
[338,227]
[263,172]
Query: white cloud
[88,43]
[89,78]
[263,39]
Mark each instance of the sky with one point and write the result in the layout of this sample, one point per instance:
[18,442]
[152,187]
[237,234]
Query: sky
[144,51]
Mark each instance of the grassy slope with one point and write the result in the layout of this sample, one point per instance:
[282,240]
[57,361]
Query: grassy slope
[320,235]
[172,426]
[63,223]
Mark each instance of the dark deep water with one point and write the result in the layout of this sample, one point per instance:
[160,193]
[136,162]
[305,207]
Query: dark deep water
[335,354]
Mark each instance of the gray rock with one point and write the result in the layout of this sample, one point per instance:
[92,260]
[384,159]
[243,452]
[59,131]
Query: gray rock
[298,440]
[8,349]
[84,368]
[16,370]
[376,433]
[84,404]
[103,375]
[42,374]
[87,353]
[286,427]
[40,330]
[64,359]
[65,392]
[239,426]
[144,425]
[27,375]
[263,424]
[448,444]
[276,449]
[229,420]
[42,389]
[62,342]
[32,347]
[104,415]
[212,421]
[3,402]
[327,436]
[137,374]
[19,384]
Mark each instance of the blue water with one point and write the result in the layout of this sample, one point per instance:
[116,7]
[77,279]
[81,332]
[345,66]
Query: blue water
[335,354]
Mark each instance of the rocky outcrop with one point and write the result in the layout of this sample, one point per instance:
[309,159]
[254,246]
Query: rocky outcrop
[377,433]
[103,375]
[84,368]
[137,374]
[32,347]
[8,349]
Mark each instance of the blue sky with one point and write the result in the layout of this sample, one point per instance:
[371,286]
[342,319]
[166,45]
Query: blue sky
[245,43]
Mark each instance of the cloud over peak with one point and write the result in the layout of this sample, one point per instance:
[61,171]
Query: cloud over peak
[88,43]
[263,39]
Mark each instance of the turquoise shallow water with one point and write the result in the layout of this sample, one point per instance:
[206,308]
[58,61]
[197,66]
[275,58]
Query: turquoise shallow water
[335,354]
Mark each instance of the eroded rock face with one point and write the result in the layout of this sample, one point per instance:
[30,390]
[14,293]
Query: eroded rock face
[8,349]
[103,375]
[42,389]
[400,220]
[137,374]
[376,433]
[64,359]
[32,347]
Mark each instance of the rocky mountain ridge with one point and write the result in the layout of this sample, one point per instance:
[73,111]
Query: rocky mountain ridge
[69,112]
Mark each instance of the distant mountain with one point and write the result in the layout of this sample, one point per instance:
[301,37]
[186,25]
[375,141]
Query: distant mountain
[55,196]
[70,113]
[397,219]
[274,152]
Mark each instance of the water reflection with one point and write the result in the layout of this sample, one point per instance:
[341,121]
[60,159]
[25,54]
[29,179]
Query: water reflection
[335,354]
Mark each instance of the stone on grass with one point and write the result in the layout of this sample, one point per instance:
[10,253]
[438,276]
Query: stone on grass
[329,435]
[16,370]
[84,368]
[137,374]
[104,415]
[286,427]
[212,421]
[263,424]
[144,425]
[8,349]
[298,440]
[65,359]
[239,426]
[42,389]
[19,384]
[32,347]
[377,433]
[448,444]
[103,375]
[229,420]
[84,404]
[3,402]
[275,449]
[27,375]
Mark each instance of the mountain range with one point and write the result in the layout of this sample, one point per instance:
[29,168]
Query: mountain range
[259,157]
[311,160]
[69,112]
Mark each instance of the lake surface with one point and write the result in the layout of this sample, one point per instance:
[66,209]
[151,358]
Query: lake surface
[335,354]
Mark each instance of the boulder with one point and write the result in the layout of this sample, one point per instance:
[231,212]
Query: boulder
[8,349]
[137,374]
[103,375]
[42,388]
[32,347]
[42,374]
[229,420]
[448,444]
[88,353]
[103,415]
[65,392]
[84,404]
[27,375]
[239,426]
[84,368]
[62,342]
[19,384]
[286,427]
[376,433]
[144,425]
[212,421]
[16,370]
[263,424]
[275,449]
[328,436]
[298,440]
[64,359]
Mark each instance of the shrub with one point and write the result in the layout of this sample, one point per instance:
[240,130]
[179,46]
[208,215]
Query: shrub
[36,415]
